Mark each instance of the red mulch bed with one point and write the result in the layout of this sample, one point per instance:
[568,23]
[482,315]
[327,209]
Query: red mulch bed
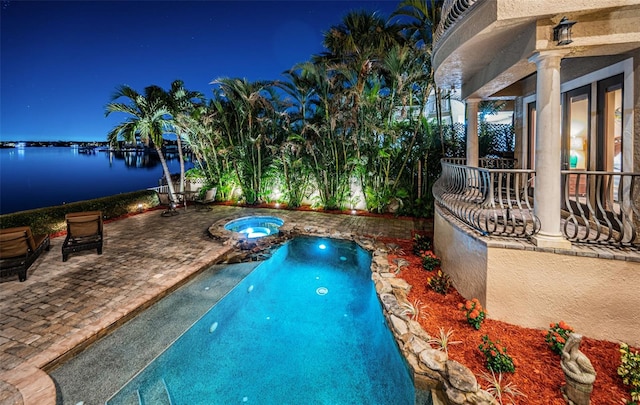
[538,374]
[361,213]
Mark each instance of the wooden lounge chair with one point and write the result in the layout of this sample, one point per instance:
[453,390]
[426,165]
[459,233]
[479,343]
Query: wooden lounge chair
[84,232]
[19,248]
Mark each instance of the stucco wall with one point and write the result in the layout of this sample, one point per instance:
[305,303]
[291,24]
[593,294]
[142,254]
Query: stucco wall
[598,297]
[573,68]
[463,258]
[636,110]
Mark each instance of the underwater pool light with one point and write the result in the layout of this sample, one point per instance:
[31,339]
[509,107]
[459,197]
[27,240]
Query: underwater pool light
[256,232]
[322,246]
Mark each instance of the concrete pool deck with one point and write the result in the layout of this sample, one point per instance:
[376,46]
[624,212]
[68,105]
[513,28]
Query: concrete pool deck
[65,306]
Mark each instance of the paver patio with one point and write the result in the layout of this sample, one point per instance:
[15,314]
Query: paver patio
[65,306]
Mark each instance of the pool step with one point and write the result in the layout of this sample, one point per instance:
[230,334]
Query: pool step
[156,394]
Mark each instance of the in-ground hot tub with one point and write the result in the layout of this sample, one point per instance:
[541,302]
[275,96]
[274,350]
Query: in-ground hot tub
[255,226]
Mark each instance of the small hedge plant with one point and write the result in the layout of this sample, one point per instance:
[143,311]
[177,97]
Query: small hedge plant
[498,360]
[440,283]
[474,312]
[421,244]
[430,262]
[557,335]
[629,370]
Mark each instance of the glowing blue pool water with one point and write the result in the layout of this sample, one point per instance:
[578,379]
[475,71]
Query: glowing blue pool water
[305,327]
[255,226]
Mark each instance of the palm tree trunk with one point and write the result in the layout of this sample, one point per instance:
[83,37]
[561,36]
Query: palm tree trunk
[167,173]
[181,157]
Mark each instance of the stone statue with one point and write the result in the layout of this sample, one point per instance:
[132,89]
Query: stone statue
[578,372]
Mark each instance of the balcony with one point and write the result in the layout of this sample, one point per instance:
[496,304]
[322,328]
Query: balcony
[485,228]
[599,208]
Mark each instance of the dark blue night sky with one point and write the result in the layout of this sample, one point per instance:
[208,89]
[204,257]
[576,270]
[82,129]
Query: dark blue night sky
[61,60]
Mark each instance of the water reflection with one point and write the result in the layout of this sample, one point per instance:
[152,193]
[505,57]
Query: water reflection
[73,176]
[143,159]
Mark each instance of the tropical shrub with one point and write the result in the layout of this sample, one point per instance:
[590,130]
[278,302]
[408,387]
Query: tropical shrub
[440,283]
[498,360]
[474,312]
[557,335]
[421,243]
[418,207]
[629,370]
[430,261]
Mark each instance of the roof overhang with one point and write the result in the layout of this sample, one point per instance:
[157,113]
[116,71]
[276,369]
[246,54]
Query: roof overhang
[487,50]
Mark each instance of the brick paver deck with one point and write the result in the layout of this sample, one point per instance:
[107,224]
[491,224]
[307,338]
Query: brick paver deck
[65,306]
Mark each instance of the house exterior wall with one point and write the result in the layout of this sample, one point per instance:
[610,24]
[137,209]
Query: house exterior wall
[594,295]
[636,111]
[532,288]
[463,258]
[487,52]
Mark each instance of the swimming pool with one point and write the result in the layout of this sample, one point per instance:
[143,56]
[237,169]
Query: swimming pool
[305,327]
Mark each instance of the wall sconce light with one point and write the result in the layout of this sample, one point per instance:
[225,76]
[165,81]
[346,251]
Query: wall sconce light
[562,31]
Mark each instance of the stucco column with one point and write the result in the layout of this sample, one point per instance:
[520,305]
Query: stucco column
[472,131]
[547,195]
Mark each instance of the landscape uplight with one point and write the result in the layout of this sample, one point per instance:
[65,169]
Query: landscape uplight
[562,31]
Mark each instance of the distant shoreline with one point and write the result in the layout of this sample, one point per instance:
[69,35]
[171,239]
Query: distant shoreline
[30,144]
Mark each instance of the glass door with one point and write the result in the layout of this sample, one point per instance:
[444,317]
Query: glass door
[609,143]
[575,129]
[531,136]
[576,107]
[609,132]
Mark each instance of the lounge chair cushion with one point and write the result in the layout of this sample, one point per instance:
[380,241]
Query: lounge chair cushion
[85,224]
[19,248]
[33,242]
[13,244]
[84,231]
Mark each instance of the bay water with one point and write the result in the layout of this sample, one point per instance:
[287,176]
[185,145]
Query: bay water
[37,177]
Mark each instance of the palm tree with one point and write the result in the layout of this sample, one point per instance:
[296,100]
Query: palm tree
[245,110]
[181,103]
[356,48]
[148,119]
[423,18]
[328,147]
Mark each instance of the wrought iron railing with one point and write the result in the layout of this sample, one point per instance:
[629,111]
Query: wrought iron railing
[601,207]
[486,163]
[452,10]
[492,201]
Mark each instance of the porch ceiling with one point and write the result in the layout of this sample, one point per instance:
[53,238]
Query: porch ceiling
[487,50]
